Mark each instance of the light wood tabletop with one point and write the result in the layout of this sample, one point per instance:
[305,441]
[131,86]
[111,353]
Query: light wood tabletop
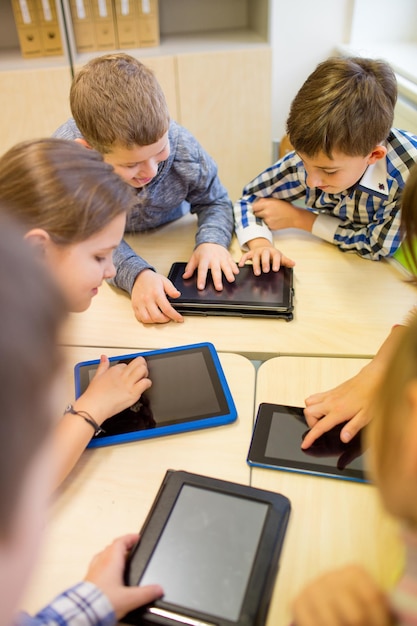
[333,522]
[111,490]
[344,305]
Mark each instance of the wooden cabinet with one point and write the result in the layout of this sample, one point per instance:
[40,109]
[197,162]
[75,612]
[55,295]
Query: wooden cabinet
[34,103]
[225,101]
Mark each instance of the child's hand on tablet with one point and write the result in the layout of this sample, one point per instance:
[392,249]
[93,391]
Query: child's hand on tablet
[149,299]
[213,257]
[114,388]
[264,257]
[106,572]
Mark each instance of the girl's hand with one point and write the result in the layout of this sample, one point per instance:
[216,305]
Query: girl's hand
[114,388]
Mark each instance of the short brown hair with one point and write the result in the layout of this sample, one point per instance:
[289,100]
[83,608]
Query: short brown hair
[31,313]
[116,101]
[345,105]
[62,187]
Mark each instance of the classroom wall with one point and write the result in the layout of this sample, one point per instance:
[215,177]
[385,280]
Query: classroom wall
[302,34]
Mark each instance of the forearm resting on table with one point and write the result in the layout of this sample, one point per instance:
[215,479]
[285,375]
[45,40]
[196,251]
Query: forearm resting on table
[382,357]
[71,437]
[303,219]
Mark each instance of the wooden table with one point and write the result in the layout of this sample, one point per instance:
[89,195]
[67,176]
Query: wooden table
[344,305]
[112,488]
[333,522]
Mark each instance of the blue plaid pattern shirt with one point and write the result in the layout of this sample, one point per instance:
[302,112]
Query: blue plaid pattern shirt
[82,605]
[364,219]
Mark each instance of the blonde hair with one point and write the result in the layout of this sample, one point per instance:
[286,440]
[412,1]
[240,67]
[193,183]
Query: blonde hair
[116,101]
[31,313]
[63,188]
[390,411]
[345,105]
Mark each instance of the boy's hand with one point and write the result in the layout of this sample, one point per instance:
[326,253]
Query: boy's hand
[264,257]
[280,214]
[149,299]
[114,388]
[348,402]
[345,597]
[214,257]
[106,572]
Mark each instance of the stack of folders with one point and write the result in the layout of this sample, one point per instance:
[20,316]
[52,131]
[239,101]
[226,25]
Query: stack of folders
[114,24]
[37,28]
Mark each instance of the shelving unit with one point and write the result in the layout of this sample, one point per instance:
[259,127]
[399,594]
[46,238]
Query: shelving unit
[213,63]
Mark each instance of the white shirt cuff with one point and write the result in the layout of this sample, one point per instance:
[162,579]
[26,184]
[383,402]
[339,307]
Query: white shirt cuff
[252,232]
[325,227]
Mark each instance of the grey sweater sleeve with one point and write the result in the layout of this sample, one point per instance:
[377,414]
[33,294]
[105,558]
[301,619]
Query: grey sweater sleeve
[210,201]
[128,266]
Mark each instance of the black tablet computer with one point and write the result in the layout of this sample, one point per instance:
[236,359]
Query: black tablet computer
[276,443]
[214,547]
[268,295]
[189,391]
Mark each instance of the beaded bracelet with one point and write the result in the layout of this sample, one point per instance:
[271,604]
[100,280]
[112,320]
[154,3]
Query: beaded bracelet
[87,417]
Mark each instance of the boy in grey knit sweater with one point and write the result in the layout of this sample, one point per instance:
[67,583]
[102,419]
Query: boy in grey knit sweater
[119,110]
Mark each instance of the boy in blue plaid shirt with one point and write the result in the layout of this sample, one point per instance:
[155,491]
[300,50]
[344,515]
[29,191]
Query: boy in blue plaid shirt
[349,167]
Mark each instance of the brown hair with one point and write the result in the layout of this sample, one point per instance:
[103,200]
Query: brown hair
[62,187]
[345,105]
[116,100]
[31,313]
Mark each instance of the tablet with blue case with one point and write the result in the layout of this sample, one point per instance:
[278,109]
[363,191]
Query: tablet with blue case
[189,392]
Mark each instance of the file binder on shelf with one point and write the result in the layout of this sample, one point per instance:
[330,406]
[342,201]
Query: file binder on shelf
[137,23]
[126,23]
[148,23]
[49,27]
[28,28]
[83,25]
[104,26]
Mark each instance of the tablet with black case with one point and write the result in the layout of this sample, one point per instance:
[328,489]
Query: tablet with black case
[276,443]
[268,295]
[214,547]
[189,391]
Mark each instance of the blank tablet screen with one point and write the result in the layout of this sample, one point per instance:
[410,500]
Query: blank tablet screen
[276,442]
[205,554]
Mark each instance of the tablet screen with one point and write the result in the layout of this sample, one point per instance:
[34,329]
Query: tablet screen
[276,442]
[187,385]
[269,289]
[204,557]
